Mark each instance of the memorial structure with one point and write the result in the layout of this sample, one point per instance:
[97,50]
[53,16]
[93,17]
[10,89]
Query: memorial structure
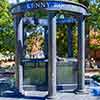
[78,14]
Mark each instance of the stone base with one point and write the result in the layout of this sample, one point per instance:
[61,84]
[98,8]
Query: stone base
[52,97]
[83,91]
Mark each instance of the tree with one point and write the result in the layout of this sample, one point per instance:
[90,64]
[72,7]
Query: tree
[61,40]
[94,19]
[84,2]
[7,35]
[93,23]
[94,39]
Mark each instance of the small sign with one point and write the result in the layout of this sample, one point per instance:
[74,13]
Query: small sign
[37,5]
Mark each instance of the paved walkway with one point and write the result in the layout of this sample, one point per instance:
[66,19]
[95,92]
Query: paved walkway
[60,96]
[70,96]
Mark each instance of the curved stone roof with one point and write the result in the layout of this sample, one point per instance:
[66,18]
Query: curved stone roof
[50,5]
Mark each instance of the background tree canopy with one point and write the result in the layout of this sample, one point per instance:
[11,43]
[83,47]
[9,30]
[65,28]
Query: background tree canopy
[7,34]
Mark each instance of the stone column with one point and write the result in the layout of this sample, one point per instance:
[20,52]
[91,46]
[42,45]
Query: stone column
[19,49]
[81,53]
[51,55]
[46,41]
[46,53]
[87,40]
[70,40]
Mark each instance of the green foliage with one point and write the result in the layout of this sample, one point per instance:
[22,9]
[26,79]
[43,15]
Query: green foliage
[38,14]
[61,40]
[7,35]
[93,21]
[96,77]
[94,10]
[84,2]
[75,39]
[95,39]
